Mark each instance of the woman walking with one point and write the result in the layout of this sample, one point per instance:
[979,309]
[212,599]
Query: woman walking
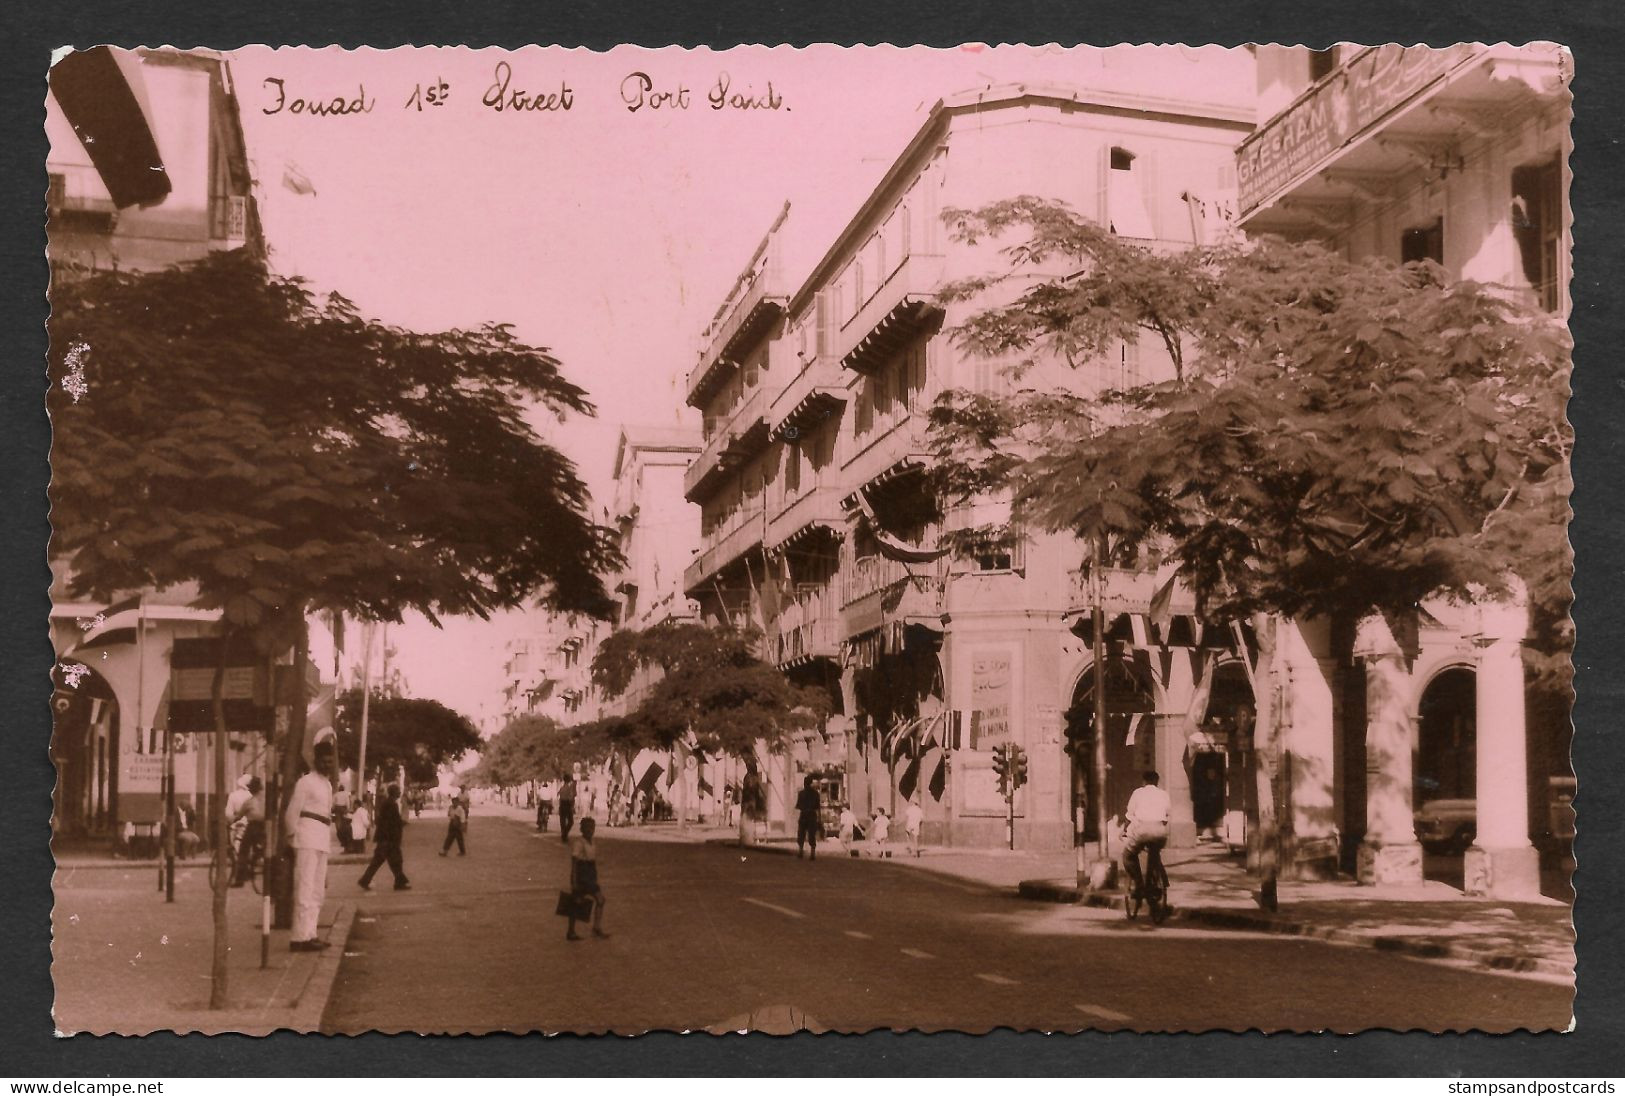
[584,878]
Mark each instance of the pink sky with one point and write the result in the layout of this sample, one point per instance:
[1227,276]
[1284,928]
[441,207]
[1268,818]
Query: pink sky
[607,234]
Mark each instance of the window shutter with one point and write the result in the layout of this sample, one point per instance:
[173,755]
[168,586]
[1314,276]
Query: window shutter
[1105,182]
[1151,188]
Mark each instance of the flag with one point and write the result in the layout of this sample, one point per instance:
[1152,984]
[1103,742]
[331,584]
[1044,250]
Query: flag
[113,625]
[911,777]
[295,180]
[939,778]
[1161,612]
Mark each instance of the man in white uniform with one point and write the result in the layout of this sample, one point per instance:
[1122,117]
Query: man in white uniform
[1145,825]
[309,822]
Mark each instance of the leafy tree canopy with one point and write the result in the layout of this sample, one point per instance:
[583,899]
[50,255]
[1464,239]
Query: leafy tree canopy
[421,734]
[535,747]
[711,683]
[224,425]
[1338,437]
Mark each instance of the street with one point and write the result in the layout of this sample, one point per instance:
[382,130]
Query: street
[704,937]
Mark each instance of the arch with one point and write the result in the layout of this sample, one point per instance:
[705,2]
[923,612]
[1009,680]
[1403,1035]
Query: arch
[85,750]
[1446,745]
[1131,700]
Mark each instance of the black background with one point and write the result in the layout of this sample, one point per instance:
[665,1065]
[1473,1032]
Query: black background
[28,1045]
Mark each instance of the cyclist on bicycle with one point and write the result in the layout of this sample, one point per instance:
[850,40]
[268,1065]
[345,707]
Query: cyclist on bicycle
[1145,826]
[249,814]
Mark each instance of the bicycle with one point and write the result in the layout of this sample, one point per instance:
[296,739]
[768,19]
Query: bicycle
[1153,889]
[256,866]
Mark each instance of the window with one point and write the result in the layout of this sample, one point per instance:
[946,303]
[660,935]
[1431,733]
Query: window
[1426,242]
[1127,213]
[1537,226]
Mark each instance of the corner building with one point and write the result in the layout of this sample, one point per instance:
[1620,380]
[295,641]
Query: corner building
[817,523]
[1459,156]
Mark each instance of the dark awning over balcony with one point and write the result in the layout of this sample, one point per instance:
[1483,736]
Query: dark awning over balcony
[816,404]
[893,332]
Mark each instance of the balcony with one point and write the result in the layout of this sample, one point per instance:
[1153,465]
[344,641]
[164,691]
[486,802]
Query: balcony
[742,435]
[740,534]
[901,308]
[748,313]
[818,507]
[808,628]
[1353,135]
[818,392]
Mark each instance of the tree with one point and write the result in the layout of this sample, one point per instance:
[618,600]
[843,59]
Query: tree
[539,748]
[711,686]
[218,424]
[1336,439]
[420,734]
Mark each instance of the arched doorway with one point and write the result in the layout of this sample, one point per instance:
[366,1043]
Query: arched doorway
[85,748]
[1445,774]
[1214,757]
[1447,738]
[1130,739]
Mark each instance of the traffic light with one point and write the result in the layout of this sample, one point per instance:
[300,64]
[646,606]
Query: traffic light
[1001,765]
[1018,767]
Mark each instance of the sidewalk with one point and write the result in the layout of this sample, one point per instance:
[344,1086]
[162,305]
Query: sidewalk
[126,961]
[1211,887]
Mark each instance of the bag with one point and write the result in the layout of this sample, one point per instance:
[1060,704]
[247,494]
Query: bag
[575,906]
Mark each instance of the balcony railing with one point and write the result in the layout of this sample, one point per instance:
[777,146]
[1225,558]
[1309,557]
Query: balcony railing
[1127,590]
[743,436]
[756,301]
[818,505]
[809,627]
[900,307]
[741,533]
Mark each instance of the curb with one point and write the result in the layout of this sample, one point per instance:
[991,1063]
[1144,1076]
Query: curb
[1047,890]
[1502,962]
[307,1012]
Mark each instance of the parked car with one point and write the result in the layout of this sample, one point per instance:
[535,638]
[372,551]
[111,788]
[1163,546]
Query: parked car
[1447,825]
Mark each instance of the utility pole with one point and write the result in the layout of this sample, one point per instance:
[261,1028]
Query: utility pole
[1101,875]
[366,704]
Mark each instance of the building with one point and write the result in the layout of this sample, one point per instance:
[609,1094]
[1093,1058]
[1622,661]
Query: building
[147,168]
[1457,155]
[817,522]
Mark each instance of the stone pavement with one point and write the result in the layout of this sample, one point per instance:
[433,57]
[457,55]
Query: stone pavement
[1210,886]
[125,961]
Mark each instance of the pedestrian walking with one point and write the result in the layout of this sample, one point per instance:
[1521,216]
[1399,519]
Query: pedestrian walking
[880,832]
[456,824]
[567,807]
[387,849]
[809,819]
[341,816]
[544,808]
[309,824]
[851,832]
[584,878]
[360,826]
[913,820]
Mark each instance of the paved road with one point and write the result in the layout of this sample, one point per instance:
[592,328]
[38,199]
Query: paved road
[705,936]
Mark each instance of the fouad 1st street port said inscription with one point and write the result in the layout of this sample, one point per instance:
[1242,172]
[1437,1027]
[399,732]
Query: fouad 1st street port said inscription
[509,93]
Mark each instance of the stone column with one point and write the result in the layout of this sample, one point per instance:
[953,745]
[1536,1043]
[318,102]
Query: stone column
[1501,862]
[1390,852]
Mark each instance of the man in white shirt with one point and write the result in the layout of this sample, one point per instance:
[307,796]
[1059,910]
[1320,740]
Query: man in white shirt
[309,825]
[1145,826]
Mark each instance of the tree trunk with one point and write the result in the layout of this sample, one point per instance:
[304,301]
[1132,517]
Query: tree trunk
[217,973]
[1266,742]
[293,747]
